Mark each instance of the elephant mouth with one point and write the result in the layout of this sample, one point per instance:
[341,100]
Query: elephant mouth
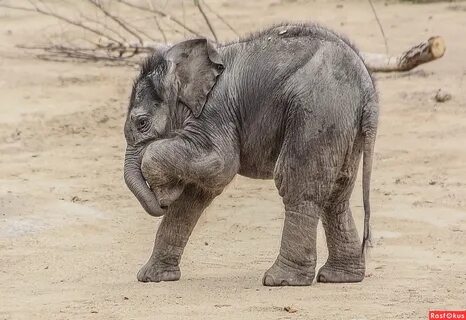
[162,203]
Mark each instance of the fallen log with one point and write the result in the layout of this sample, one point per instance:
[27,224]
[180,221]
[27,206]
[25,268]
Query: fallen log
[426,51]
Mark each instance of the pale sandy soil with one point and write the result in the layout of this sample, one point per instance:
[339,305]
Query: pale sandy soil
[72,237]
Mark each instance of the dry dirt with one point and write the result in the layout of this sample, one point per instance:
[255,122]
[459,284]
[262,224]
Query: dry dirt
[72,237]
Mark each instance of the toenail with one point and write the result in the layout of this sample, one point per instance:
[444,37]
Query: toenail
[268,281]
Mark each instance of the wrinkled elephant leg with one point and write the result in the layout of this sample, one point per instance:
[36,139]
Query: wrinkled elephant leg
[173,234]
[295,264]
[345,262]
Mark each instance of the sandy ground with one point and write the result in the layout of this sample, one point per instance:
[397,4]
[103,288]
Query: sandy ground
[72,237]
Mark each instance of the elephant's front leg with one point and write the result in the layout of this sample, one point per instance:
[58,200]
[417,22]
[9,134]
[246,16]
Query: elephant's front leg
[173,234]
[169,164]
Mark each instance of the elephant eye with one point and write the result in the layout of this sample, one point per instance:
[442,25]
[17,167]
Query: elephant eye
[142,124]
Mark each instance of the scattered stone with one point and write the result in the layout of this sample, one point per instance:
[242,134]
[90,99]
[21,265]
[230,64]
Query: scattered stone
[442,96]
[104,119]
[290,309]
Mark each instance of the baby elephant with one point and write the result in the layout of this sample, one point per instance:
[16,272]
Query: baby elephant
[294,103]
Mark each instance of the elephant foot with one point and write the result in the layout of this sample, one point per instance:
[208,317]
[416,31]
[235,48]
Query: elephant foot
[281,274]
[155,273]
[329,274]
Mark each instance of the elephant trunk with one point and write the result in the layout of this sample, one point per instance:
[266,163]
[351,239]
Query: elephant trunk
[137,184]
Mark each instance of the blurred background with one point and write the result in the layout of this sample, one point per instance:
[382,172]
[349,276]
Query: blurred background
[72,237]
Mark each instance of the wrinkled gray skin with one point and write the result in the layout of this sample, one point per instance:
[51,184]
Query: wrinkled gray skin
[294,103]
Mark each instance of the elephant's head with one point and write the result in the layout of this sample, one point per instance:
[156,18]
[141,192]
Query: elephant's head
[173,86]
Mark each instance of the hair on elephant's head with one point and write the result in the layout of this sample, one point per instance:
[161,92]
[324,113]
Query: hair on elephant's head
[173,85]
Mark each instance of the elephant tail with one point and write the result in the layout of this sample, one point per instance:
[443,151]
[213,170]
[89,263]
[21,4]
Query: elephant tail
[369,130]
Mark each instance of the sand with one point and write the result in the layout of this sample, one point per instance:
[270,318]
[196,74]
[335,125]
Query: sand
[72,237]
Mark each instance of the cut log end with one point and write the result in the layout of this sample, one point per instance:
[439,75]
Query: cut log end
[437,47]
[424,52]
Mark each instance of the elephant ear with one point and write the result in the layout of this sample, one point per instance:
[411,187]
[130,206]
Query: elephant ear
[197,65]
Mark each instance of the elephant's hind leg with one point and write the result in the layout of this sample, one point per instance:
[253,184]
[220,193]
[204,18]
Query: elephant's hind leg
[346,260]
[304,174]
[295,264]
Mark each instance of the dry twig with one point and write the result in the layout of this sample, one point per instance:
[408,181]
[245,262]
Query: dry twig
[99,6]
[206,19]
[220,18]
[161,14]
[380,26]
[62,18]
[157,23]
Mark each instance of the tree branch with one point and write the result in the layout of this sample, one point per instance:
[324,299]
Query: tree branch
[157,23]
[206,19]
[116,19]
[161,14]
[220,18]
[62,18]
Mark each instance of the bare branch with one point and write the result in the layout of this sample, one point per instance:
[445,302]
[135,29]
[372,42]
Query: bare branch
[206,19]
[62,18]
[162,14]
[157,23]
[116,19]
[184,14]
[380,26]
[17,8]
[104,25]
[220,18]
[140,31]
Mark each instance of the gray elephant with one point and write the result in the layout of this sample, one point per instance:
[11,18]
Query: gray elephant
[294,103]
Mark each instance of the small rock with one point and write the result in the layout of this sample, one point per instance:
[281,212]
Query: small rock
[125,298]
[283,32]
[290,309]
[206,243]
[104,119]
[442,96]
